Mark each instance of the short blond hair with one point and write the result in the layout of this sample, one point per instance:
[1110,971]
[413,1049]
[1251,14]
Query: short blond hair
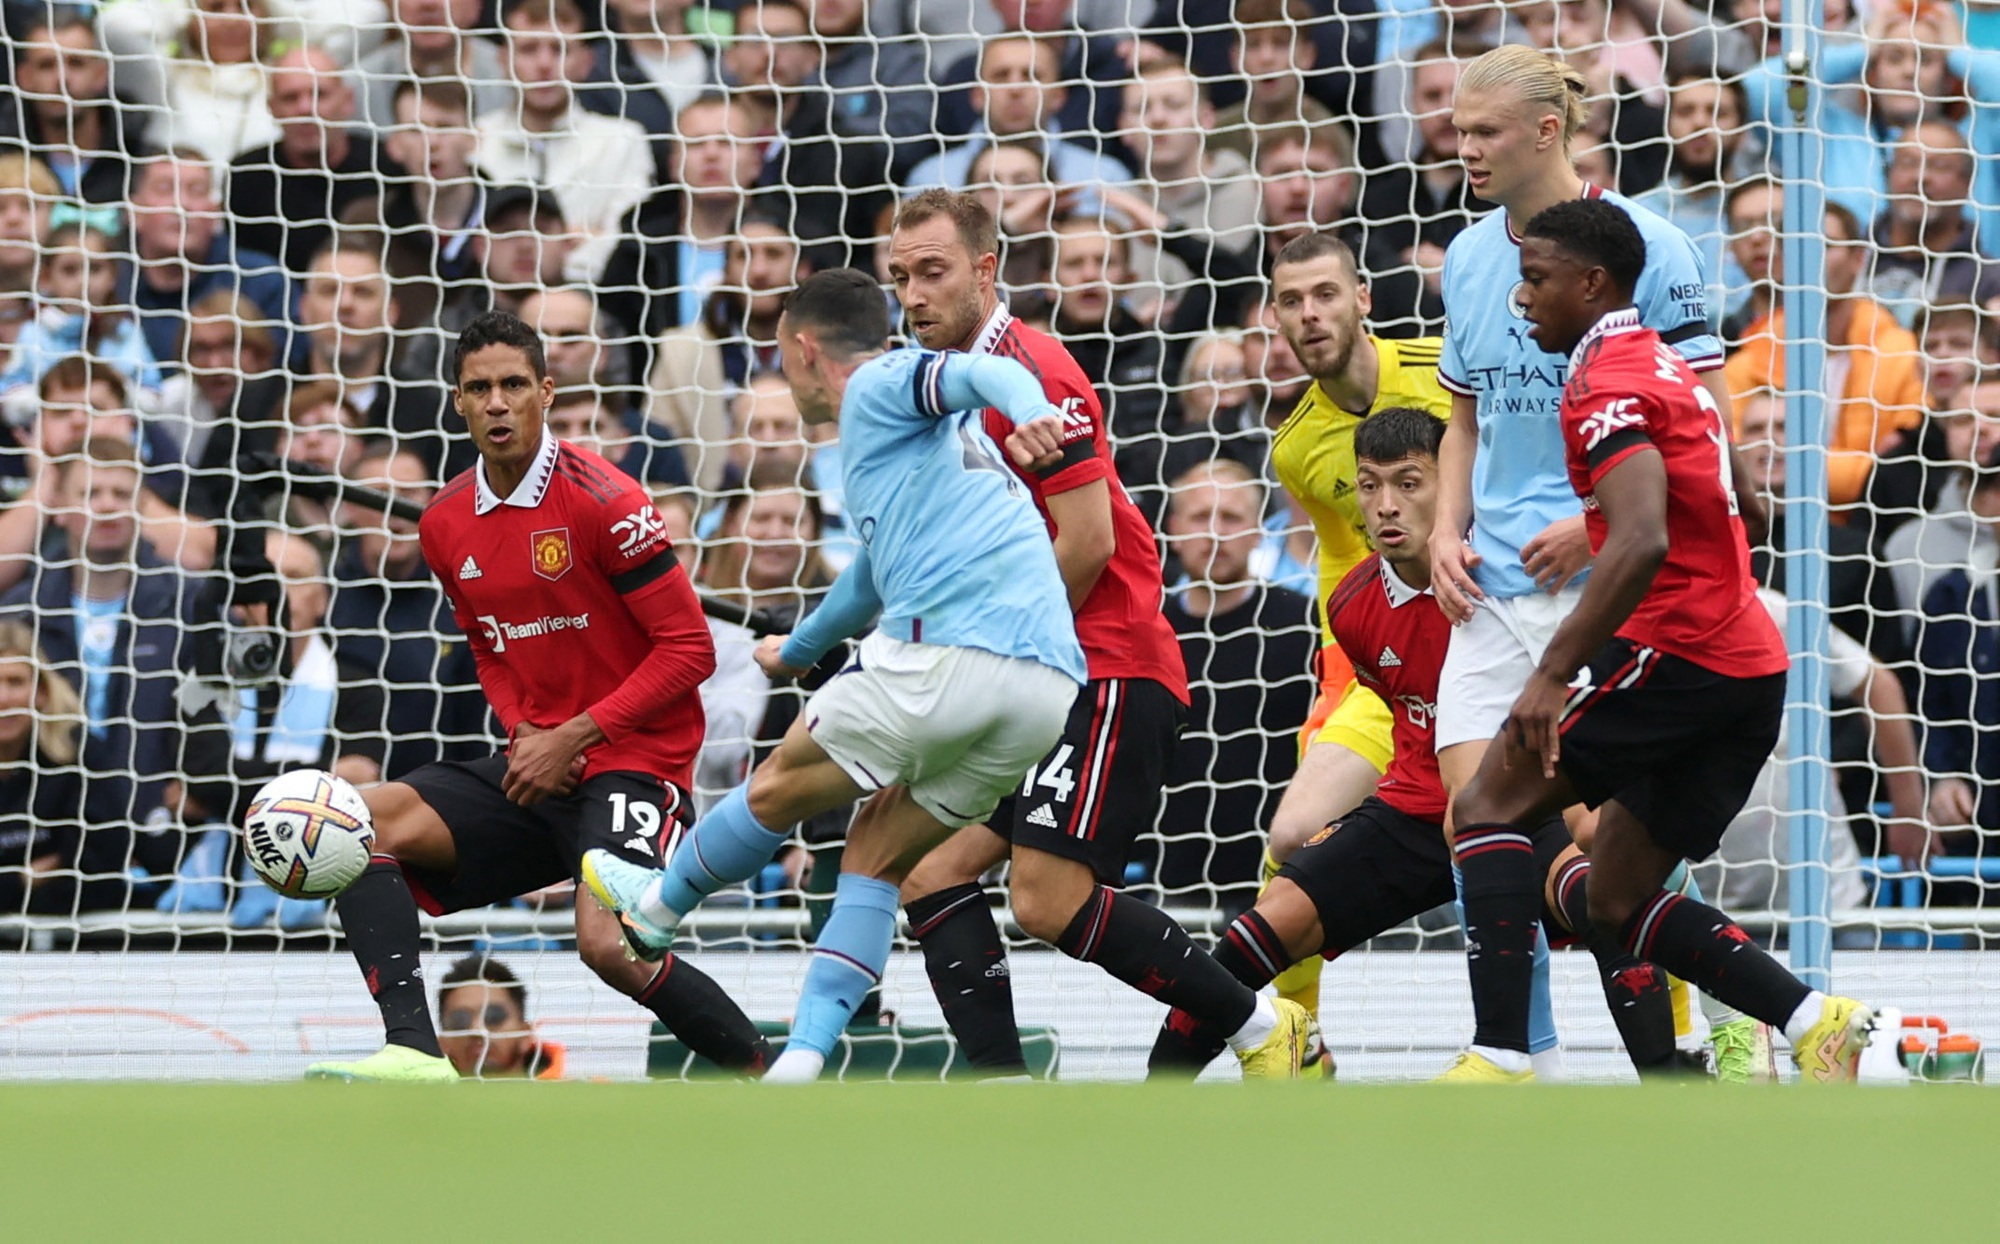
[21,171]
[1534,77]
[58,712]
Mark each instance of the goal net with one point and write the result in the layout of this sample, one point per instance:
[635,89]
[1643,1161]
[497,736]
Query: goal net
[237,240]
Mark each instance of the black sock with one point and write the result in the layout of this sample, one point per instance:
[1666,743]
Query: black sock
[1252,953]
[707,1020]
[968,971]
[1142,946]
[1502,898]
[1707,950]
[1635,992]
[379,919]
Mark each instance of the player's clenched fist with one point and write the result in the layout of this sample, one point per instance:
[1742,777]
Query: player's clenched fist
[541,763]
[770,662]
[1037,444]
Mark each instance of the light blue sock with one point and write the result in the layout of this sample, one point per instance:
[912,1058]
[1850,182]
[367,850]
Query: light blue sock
[1541,1010]
[1681,881]
[847,960]
[726,846]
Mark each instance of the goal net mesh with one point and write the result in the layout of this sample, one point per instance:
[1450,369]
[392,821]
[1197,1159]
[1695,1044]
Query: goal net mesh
[237,239]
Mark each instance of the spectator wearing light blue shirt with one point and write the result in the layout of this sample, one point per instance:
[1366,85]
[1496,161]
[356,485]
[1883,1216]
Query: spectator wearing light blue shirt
[118,623]
[1868,93]
[85,289]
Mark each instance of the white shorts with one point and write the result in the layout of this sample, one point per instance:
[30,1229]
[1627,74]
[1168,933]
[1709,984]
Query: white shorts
[958,727]
[1489,661]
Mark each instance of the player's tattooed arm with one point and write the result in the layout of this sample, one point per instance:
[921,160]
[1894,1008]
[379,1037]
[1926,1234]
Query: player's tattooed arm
[1633,498]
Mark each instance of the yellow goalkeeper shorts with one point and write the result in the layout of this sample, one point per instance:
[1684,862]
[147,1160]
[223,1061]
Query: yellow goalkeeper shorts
[1349,714]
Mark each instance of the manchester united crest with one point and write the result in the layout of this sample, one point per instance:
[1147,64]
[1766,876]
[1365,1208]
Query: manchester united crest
[548,552]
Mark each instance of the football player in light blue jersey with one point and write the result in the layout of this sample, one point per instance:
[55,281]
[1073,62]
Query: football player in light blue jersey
[965,683]
[1509,548]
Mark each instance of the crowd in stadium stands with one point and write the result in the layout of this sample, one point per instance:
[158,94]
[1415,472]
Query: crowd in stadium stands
[242,227]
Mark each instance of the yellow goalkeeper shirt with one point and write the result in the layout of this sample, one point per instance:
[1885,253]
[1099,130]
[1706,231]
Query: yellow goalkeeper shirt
[1313,453]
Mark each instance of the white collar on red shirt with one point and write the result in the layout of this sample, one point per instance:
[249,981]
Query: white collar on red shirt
[991,331]
[1615,324]
[1399,592]
[529,492]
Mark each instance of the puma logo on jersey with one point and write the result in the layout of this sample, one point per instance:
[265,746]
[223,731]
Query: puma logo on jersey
[470,570]
[1388,658]
[1043,817]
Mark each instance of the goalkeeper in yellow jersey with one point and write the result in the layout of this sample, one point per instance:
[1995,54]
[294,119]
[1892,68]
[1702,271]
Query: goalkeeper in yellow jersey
[1320,298]
[1321,301]
[1345,747]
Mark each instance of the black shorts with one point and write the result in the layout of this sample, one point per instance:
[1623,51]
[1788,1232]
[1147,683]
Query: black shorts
[1370,871]
[1102,784]
[506,850]
[1678,745]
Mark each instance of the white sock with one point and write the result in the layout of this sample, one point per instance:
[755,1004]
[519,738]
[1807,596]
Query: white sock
[1548,1064]
[656,911]
[1262,1023]
[1804,1018]
[1514,1062]
[795,1066]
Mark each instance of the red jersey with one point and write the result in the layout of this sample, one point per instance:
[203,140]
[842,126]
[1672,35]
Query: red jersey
[1121,628]
[1628,392]
[1396,637]
[570,595]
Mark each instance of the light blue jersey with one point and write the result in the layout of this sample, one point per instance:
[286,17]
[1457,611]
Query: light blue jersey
[1519,481]
[953,551]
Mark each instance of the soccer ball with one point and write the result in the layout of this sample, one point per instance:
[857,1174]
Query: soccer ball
[308,834]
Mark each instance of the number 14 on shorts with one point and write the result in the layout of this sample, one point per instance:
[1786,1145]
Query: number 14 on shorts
[1054,773]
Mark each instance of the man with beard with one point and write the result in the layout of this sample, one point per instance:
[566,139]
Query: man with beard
[1069,828]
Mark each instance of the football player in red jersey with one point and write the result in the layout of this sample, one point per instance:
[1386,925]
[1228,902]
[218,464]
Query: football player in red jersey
[1070,828]
[1387,861]
[591,647]
[1658,699]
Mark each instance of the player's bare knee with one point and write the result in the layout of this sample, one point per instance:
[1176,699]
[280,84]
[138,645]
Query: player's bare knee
[1289,832]
[1048,890]
[1555,871]
[766,796]
[392,809]
[606,958]
[933,873]
[1293,917]
[1042,915]
[1582,824]
[1610,904]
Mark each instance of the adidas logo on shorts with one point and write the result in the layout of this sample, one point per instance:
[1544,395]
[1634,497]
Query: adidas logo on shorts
[470,570]
[1387,660]
[1043,816]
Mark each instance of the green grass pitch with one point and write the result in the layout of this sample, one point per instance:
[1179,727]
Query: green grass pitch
[644,1163]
